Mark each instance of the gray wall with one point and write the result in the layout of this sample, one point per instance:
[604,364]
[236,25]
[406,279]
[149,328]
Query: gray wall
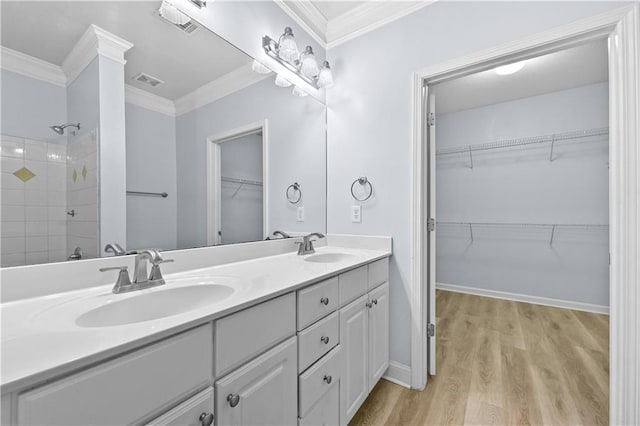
[521,185]
[241,204]
[83,99]
[370,117]
[296,153]
[151,166]
[30,106]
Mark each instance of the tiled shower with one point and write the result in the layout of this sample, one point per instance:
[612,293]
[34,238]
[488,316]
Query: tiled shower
[42,184]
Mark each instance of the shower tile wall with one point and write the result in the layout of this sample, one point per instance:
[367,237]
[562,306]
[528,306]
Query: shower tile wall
[33,191]
[82,194]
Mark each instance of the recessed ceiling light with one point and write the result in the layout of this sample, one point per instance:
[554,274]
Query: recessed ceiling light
[510,68]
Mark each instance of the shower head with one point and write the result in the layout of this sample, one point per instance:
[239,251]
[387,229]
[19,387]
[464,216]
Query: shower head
[60,129]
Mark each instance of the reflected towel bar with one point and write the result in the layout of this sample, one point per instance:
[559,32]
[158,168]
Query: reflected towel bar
[148,194]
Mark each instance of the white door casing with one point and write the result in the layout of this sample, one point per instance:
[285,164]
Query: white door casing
[622,28]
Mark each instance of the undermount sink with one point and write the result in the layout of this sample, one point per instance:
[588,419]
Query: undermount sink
[329,257]
[154,305]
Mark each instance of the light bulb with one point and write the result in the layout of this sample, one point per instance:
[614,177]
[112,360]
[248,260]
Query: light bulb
[325,78]
[259,67]
[308,65]
[282,82]
[509,69]
[287,47]
[299,92]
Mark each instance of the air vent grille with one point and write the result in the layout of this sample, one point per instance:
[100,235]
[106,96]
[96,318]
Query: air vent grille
[148,79]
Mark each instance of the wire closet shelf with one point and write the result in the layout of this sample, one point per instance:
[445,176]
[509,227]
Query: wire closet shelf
[507,143]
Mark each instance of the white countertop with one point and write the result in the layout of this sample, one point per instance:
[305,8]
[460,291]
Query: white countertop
[40,339]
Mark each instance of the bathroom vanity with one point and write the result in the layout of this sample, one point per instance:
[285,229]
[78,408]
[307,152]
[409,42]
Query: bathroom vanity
[282,339]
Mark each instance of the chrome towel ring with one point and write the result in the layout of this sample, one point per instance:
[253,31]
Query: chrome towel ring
[363,181]
[291,195]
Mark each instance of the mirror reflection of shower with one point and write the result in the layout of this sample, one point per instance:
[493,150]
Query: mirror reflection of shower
[60,129]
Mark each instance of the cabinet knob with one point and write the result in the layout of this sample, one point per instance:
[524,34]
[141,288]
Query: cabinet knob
[233,399]
[327,378]
[206,419]
[369,305]
[325,339]
[324,301]
[375,301]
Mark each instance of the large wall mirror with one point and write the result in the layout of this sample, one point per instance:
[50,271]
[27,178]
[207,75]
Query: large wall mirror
[179,145]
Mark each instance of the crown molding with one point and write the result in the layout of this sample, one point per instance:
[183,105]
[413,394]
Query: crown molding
[368,17]
[229,83]
[307,16]
[144,99]
[95,41]
[21,63]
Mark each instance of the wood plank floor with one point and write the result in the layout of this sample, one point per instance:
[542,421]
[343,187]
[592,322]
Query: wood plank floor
[504,363]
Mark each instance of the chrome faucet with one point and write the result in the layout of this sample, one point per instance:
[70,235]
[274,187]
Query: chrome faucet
[306,245]
[140,278]
[114,248]
[281,233]
[76,255]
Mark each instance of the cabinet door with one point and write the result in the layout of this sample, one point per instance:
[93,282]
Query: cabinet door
[354,340]
[378,333]
[196,411]
[262,392]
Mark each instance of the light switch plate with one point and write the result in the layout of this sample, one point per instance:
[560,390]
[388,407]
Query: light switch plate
[356,214]
[300,214]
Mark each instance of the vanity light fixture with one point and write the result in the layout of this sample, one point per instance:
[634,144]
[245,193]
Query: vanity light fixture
[258,67]
[299,92]
[509,68]
[304,66]
[172,14]
[282,82]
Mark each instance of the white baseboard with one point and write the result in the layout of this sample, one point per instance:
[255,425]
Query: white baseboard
[399,374]
[558,303]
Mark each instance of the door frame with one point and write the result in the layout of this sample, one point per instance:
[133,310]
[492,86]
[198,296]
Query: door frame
[621,27]
[214,191]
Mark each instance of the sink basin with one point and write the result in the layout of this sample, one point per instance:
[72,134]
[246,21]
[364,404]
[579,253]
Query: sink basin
[154,305]
[329,257]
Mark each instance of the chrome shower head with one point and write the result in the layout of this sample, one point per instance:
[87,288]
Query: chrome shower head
[60,129]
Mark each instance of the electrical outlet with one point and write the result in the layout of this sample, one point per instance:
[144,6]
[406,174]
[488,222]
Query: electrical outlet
[300,214]
[356,214]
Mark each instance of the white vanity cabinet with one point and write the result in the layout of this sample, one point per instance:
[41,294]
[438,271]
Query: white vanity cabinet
[364,337]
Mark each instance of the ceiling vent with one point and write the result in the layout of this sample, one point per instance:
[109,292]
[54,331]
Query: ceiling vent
[148,80]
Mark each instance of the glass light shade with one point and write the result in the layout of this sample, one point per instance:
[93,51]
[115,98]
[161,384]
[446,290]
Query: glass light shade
[325,78]
[299,92]
[509,69]
[308,65]
[282,82]
[173,15]
[259,68]
[287,47]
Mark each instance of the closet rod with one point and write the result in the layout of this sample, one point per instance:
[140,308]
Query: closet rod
[241,181]
[602,131]
[148,194]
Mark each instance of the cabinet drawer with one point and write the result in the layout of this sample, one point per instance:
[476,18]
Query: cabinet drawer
[317,301]
[317,340]
[353,284]
[128,389]
[262,392]
[326,412]
[189,412]
[318,379]
[378,273]
[245,334]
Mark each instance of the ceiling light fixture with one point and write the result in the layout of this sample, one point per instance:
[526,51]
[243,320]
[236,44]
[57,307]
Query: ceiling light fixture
[304,66]
[509,68]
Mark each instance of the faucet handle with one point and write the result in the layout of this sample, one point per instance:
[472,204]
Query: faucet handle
[123,277]
[156,274]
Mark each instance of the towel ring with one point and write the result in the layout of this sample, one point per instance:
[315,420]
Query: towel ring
[364,181]
[296,188]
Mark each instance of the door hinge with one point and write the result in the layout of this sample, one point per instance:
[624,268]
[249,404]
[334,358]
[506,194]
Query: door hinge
[431,330]
[431,119]
[431,224]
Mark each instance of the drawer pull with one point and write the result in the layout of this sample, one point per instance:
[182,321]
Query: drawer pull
[233,399]
[325,339]
[206,419]
[327,379]
[324,301]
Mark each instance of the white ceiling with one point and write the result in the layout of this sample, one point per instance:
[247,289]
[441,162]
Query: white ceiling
[565,69]
[333,9]
[184,62]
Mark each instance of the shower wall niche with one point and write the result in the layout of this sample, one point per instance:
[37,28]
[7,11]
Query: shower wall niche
[41,182]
